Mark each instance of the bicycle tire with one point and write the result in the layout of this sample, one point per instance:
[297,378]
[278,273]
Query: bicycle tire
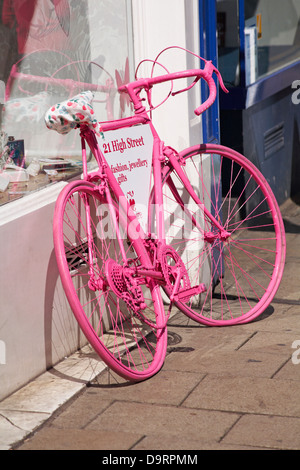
[128,345]
[240,272]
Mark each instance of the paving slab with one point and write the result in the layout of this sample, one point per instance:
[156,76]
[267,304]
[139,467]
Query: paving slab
[152,419]
[277,342]
[50,438]
[285,318]
[162,443]
[290,370]
[237,363]
[247,395]
[275,432]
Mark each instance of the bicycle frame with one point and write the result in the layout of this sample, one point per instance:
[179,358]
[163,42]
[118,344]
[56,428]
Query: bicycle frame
[105,241]
[160,154]
[163,157]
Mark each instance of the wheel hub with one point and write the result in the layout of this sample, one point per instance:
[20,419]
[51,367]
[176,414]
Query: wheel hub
[211,237]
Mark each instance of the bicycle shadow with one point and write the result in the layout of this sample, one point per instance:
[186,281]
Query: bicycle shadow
[291,227]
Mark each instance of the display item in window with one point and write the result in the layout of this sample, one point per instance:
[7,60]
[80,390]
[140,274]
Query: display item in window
[16,151]
[34,168]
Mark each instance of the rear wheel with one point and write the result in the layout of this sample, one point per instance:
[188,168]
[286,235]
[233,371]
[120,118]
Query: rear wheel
[125,328]
[236,271]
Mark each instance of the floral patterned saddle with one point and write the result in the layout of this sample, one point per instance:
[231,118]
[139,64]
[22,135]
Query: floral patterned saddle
[69,114]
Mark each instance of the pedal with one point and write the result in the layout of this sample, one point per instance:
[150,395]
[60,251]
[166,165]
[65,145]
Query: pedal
[185,295]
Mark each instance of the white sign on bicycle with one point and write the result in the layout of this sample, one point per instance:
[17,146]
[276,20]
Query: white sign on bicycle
[128,151]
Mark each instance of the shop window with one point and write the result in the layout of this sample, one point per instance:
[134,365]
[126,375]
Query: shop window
[51,51]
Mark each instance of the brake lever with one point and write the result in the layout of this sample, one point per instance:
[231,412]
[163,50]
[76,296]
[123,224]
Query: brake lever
[217,72]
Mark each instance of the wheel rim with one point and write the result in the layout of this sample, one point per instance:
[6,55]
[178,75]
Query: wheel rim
[242,267]
[129,346]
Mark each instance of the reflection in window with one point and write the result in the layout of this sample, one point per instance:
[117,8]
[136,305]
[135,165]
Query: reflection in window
[278,32]
[52,50]
[228,41]
[272,37]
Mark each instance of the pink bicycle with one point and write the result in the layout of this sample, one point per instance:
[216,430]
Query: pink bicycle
[214,249]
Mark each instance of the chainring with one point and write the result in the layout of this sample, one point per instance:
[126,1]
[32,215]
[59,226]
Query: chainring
[171,263]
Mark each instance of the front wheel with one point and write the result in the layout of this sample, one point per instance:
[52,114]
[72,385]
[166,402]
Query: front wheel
[234,272]
[131,340]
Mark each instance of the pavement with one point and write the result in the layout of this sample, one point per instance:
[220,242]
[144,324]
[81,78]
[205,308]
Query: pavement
[233,388]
